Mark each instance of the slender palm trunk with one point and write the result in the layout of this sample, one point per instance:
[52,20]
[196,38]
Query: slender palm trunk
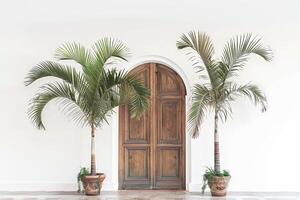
[217,147]
[93,159]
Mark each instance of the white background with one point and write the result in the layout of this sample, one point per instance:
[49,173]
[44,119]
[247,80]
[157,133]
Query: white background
[260,149]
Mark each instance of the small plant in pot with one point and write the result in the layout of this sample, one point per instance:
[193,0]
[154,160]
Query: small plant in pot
[218,90]
[80,178]
[88,95]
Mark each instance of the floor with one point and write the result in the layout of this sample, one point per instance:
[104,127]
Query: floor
[146,195]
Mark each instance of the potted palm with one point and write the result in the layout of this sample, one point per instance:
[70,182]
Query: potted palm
[218,90]
[90,94]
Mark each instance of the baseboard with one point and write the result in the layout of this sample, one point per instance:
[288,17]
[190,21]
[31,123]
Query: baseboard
[47,186]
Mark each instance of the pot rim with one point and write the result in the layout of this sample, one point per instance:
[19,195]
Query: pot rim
[219,178]
[222,176]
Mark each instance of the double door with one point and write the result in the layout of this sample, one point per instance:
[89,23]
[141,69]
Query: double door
[152,147]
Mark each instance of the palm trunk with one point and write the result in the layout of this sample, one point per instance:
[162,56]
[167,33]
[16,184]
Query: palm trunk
[93,159]
[217,166]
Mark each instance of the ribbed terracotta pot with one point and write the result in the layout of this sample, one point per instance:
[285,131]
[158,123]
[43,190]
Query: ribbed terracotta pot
[218,185]
[93,183]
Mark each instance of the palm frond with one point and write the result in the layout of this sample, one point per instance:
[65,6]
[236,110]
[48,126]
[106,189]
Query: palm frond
[76,52]
[107,48]
[64,94]
[237,50]
[101,110]
[251,91]
[54,69]
[224,110]
[135,94]
[118,88]
[199,43]
[201,103]
[104,50]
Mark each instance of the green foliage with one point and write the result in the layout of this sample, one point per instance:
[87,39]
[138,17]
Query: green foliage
[81,174]
[218,90]
[209,174]
[88,95]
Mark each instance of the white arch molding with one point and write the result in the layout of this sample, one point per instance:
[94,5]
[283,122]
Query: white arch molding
[115,118]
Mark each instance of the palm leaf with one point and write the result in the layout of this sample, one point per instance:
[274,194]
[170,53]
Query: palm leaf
[126,89]
[64,94]
[251,91]
[104,50]
[107,48]
[224,110]
[54,69]
[237,50]
[201,102]
[138,101]
[76,52]
[201,44]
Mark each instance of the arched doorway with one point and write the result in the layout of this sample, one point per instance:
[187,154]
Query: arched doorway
[152,148]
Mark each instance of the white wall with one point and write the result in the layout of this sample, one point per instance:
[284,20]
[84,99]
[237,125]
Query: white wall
[260,150]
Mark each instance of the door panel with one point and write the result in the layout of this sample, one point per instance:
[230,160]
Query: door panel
[169,118]
[152,146]
[168,160]
[137,166]
[167,83]
[137,128]
[169,169]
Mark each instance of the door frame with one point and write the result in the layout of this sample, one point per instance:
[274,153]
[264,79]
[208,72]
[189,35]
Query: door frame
[115,119]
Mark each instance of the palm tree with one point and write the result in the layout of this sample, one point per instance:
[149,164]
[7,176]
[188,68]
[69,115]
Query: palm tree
[90,94]
[218,89]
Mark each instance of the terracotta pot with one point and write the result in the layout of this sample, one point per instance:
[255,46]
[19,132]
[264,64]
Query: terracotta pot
[92,184]
[218,185]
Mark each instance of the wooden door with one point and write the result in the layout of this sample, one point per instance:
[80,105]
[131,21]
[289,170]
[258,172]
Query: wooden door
[152,147]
